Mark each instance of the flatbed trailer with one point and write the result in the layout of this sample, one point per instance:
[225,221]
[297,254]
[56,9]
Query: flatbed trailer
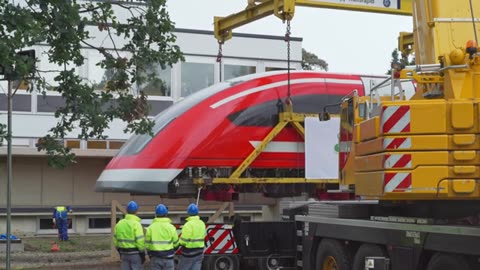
[248,245]
[326,242]
[343,236]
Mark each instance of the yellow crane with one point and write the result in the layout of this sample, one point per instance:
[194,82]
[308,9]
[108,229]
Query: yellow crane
[418,159]
[425,148]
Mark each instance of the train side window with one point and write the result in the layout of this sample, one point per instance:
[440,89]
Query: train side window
[265,114]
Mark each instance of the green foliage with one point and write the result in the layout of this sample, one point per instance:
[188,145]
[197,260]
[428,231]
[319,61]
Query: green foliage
[402,62]
[65,26]
[311,62]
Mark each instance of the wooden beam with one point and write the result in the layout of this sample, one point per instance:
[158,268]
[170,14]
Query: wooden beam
[218,213]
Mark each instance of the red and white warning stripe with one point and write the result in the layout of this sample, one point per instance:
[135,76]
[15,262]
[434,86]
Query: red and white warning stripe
[397,182]
[223,240]
[396,119]
[397,143]
[398,161]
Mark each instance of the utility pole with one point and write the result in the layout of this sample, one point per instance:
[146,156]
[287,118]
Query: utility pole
[10,74]
[9,172]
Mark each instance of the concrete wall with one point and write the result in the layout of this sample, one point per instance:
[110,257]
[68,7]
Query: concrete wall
[36,188]
[35,184]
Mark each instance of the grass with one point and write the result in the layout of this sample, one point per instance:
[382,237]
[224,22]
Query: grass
[75,244]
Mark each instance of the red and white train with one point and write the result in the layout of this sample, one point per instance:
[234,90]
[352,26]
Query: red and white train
[213,130]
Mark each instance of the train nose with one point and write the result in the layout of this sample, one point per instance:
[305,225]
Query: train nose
[151,181]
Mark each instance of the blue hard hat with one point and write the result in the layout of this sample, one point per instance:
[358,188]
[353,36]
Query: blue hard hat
[161,210]
[192,209]
[132,207]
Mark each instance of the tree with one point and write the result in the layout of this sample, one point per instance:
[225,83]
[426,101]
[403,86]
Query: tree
[311,62]
[67,26]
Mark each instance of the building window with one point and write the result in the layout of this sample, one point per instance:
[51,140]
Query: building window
[100,223]
[195,76]
[97,144]
[97,76]
[49,103]
[276,68]
[47,69]
[160,85]
[72,144]
[115,144]
[233,71]
[47,224]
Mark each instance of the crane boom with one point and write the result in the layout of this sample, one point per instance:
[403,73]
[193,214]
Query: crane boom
[285,9]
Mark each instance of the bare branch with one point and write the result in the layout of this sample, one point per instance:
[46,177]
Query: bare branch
[129,8]
[113,42]
[110,33]
[16,89]
[125,7]
[101,50]
[88,10]
[48,71]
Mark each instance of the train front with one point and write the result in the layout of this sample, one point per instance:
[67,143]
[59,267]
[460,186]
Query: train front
[149,165]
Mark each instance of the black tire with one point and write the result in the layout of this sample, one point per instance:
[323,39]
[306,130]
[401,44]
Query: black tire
[222,262]
[331,254]
[268,263]
[442,261]
[367,250]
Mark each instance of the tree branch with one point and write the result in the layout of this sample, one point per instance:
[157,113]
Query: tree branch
[18,86]
[88,10]
[129,8]
[110,33]
[48,71]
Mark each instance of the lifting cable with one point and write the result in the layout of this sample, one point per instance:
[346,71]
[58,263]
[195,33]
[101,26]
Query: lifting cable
[473,21]
[287,39]
[219,59]
[289,96]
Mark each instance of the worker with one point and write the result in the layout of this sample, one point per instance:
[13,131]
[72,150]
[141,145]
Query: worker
[129,239]
[192,241]
[161,240]
[60,219]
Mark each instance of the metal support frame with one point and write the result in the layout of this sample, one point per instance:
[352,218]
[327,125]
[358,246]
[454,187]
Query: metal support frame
[285,10]
[285,118]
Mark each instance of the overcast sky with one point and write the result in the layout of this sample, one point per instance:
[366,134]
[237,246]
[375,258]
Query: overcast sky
[350,42]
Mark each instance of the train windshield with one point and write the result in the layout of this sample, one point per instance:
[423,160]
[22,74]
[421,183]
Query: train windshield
[137,142]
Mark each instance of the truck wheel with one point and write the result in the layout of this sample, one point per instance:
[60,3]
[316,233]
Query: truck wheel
[367,250]
[268,263]
[224,262]
[332,255]
[442,261]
